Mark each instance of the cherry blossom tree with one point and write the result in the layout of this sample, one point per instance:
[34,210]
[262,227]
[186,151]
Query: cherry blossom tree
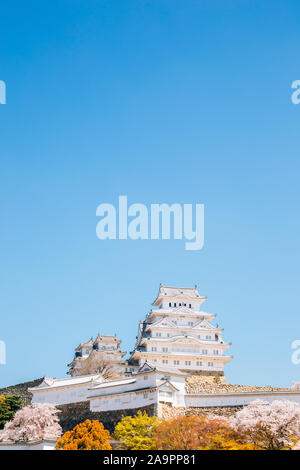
[270,426]
[31,423]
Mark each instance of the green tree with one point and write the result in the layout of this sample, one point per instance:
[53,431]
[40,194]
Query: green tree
[136,432]
[9,405]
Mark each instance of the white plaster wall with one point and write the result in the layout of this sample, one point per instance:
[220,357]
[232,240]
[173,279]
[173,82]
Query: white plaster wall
[45,445]
[122,402]
[237,399]
[72,394]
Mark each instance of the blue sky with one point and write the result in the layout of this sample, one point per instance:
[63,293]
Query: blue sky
[163,101]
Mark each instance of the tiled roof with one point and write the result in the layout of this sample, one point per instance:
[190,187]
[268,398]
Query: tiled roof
[50,382]
[169,291]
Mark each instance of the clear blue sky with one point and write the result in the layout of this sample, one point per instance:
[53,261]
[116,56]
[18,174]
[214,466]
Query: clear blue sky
[163,101]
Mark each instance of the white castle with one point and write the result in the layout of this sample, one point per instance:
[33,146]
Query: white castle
[175,343]
[178,333]
[175,333]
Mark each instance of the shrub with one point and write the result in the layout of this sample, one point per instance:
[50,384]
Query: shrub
[9,405]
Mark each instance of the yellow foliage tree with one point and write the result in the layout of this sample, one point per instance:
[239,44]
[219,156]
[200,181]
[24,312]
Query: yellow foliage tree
[227,439]
[89,435]
[136,432]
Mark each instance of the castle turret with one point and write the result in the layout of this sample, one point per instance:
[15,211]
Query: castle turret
[100,355]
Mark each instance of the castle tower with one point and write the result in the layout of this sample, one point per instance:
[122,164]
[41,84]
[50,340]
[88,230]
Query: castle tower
[179,334]
[103,355]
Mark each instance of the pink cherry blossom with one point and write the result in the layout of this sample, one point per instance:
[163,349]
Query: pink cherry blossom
[273,425]
[32,423]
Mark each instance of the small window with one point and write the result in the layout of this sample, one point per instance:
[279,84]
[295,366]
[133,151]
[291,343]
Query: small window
[170,305]
[190,305]
[175,304]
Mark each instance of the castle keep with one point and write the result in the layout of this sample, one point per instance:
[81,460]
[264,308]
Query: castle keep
[178,333]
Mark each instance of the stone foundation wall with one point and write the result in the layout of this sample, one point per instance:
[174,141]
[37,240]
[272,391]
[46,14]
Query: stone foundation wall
[206,373]
[203,383]
[22,390]
[75,413]
[169,412]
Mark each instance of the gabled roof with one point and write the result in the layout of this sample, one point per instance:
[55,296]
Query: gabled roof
[166,382]
[85,345]
[173,292]
[106,339]
[150,367]
[50,382]
[204,324]
[158,322]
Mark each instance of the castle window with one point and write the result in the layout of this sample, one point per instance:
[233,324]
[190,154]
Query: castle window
[165,361]
[176,363]
[153,348]
[210,364]
[216,352]
[190,305]
[199,363]
[170,305]
[175,304]
[187,363]
[204,351]
[165,349]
